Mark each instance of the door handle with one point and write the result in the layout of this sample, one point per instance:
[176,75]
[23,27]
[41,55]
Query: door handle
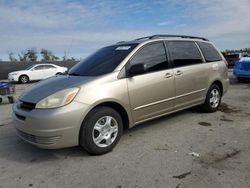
[168,75]
[178,73]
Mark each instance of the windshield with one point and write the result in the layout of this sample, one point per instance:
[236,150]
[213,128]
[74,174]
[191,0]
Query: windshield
[103,61]
[29,67]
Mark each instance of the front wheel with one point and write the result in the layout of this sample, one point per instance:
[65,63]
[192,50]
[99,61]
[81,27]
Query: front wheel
[101,130]
[11,99]
[23,79]
[213,99]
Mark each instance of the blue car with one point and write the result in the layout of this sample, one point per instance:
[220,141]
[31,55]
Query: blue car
[242,69]
[7,90]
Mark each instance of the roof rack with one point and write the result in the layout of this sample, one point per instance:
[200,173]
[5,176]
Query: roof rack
[167,36]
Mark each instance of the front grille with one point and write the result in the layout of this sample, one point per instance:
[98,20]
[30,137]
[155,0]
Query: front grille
[38,139]
[27,105]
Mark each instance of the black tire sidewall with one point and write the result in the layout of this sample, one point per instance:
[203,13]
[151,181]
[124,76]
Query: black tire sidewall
[86,139]
[11,100]
[20,79]
[240,79]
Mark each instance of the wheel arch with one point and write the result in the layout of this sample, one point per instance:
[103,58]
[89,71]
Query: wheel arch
[126,119]
[23,75]
[116,106]
[219,84]
[120,109]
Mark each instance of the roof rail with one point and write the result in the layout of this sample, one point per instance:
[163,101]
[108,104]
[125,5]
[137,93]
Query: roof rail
[167,36]
[120,42]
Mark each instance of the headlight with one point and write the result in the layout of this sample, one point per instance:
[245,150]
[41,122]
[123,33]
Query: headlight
[58,99]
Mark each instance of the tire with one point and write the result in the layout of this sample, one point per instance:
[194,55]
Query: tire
[23,79]
[1,100]
[240,79]
[59,73]
[213,99]
[97,136]
[11,100]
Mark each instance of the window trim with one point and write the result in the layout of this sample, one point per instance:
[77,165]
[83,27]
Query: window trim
[137,51]
[202,55]
[171,59]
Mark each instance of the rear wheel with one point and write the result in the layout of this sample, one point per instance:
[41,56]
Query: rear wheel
[1,100]
[213,99]
[23,79]
[101,130]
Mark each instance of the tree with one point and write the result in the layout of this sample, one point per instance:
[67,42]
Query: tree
[45,54]
[227,51]
[28,55]
[48,55]
[12,57]
[31,54]
[23,56]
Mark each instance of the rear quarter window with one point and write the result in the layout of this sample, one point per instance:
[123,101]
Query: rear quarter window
[209,52]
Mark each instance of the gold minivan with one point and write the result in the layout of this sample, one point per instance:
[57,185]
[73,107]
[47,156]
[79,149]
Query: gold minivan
[118,87]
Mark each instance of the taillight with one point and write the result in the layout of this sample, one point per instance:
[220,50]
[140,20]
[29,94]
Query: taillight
[226,63]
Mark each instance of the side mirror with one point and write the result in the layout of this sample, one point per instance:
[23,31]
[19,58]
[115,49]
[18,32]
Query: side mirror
[136,69]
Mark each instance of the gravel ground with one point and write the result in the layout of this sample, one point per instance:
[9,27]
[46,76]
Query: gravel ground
[186,149]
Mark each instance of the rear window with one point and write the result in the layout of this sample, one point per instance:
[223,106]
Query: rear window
[184,53]
[209,52]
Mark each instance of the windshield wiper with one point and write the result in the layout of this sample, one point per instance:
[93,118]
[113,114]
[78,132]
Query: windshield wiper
[74,74]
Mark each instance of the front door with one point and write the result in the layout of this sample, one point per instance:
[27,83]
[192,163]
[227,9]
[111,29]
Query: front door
[152,93]
[36,73]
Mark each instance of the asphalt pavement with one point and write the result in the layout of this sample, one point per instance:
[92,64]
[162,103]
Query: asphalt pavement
[185,149]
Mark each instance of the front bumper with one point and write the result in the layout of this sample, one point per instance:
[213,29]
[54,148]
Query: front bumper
[13,78]
[50,128]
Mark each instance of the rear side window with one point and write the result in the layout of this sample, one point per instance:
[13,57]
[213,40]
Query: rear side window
[209,52]
[184,53]
[49,67]
[39,67]
[153,56]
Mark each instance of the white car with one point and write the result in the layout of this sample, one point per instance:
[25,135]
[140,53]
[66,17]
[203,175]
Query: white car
[36,72]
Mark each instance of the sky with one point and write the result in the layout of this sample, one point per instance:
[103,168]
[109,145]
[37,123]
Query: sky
[78,28]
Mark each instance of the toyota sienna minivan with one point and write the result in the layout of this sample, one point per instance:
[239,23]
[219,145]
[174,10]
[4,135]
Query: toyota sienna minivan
[119,86]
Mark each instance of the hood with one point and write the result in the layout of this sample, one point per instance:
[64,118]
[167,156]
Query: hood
[18,72]
[51,85]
